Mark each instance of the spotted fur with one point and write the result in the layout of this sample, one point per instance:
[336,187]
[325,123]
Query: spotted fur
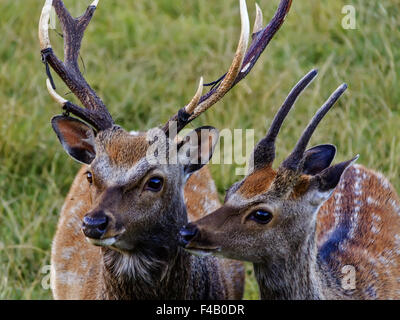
[307,256]
[360,226]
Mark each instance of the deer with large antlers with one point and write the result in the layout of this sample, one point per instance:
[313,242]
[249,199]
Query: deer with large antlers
[311,230]
[117,237]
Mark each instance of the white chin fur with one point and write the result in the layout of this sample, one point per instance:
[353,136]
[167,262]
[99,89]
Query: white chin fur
[102,242]
[202,253]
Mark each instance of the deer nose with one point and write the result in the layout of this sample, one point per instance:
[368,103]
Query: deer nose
[95,225]
[187,234]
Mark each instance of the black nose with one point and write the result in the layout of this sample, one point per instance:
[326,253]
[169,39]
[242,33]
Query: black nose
[187,234]
[95,225]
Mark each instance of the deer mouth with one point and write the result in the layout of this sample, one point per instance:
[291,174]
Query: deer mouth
[203,252]
[107,242]
[190,239]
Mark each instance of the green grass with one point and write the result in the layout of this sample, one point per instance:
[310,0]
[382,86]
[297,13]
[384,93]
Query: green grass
[145,58]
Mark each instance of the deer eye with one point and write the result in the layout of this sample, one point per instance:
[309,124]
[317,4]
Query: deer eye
[154,184]
[261,216]
[89,177]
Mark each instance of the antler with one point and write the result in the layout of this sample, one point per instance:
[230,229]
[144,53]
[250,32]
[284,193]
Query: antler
[294,160]
[264,152]
[241,66]
[96,112]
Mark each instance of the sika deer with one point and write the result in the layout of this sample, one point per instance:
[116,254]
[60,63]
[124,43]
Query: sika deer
[129,208]
[307,224]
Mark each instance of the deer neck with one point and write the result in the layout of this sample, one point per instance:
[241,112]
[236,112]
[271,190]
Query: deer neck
[297,276]
[145,275]
[159,269]
[148,271]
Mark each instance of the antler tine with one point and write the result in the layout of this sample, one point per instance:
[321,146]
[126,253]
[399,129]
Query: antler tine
[44,38]
[73,31]
[195,101]
[242,63]
[234,69]
[258,23]
[68,106]
[56,97]
[184,116]
[264,152]
[263,37]
[294,160]
[260,42]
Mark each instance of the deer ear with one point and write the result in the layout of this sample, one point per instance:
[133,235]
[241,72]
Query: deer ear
[197,148]
[318,158]
[326,181]
[76,137]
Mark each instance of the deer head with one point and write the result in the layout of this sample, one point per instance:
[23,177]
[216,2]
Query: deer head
[135,200]
[271,212]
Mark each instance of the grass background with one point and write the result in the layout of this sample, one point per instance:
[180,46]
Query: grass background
[144,58]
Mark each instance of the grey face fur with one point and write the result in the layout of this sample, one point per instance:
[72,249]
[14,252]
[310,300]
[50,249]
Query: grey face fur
[235,232]
[121,181]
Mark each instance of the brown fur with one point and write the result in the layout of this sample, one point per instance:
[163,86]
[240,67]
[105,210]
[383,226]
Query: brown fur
[366,205]
[84,271]
[200,194]
[359,226]
[119,145]
[257,182]
[301,187]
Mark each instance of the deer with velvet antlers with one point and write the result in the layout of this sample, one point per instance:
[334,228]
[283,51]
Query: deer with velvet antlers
[308,226]
[117,237]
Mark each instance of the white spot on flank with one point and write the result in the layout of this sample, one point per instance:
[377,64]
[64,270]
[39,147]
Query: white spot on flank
[383,260]
[354,219]
[397,244]
[354,223]
[383,180]
[69,278]
[376,217]
[338,197]
[375,229]
[134,133]
[67,252]
[372,201]
[394,205]
[357,187]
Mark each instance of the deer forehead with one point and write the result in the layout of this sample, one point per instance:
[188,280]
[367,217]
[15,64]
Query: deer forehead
[122,148]
[113,175]
[257,183]
[120,157]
